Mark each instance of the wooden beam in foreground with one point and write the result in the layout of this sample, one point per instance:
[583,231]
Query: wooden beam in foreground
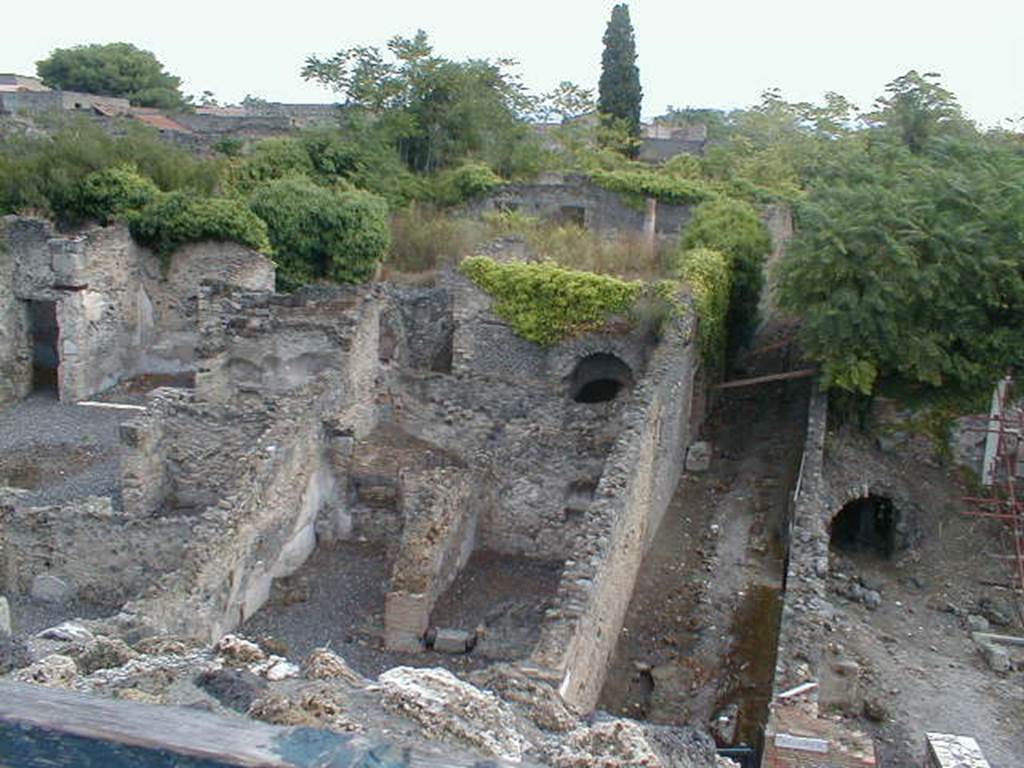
[788,376]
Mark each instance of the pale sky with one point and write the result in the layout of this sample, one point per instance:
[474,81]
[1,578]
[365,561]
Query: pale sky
[713,53]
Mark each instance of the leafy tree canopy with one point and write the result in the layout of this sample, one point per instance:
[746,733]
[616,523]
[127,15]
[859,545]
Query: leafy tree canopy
[113,69]
[908,267]
[434,110]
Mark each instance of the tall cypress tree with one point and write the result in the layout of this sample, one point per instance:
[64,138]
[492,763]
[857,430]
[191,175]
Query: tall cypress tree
[619,89]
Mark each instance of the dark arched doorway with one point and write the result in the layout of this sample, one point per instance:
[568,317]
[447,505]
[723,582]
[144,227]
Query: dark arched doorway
[599,378]
[867,525]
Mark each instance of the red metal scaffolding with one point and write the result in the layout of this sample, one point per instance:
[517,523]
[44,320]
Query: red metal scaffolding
[1004,456]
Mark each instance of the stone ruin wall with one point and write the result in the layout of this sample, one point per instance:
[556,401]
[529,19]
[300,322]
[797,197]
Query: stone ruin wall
[267,485]
[602,209]
[635,489]
[118,314]
[105,554]
[293,393]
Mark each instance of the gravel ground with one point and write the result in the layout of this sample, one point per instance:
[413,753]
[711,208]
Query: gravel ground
[344,609]
[60,452]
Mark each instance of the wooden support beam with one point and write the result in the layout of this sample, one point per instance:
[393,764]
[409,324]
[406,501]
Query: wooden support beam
[788,376]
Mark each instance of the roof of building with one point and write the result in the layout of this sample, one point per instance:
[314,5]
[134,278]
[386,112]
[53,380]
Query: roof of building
[153,118]
[10,82]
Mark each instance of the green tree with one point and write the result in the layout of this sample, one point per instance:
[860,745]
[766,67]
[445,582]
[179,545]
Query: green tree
[435,111]
[908,268]
[114,69]
[319,233]
[916,108]
[619,92]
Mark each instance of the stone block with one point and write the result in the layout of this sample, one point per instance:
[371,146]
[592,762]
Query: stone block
[50,589]
[5,619]
[452,641]
[997,657]
[698,457]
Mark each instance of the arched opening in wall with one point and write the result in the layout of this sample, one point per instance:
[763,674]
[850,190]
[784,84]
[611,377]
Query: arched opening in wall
[599,378]
[867,525]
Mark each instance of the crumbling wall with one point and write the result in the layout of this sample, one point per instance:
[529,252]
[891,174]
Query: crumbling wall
[568,197]
[104,555]
[629,502]
[15,346]
[118,314]
[262,527]
[441,508]
[257,344]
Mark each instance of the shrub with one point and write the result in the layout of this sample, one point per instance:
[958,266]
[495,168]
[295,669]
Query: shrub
[460,184]
[734,228]
[268,160]
[44,172]
[113,193]
[708,274]
[176,218]
[546,303]
[322,233]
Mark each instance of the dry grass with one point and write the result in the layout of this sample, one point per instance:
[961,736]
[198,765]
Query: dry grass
[424,238]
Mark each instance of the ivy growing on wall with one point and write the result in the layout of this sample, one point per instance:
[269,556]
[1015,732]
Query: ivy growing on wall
[709,276]
[642,183]
[546,303]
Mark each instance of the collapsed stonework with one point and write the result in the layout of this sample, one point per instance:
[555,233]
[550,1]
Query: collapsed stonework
[86,311]
[409,418]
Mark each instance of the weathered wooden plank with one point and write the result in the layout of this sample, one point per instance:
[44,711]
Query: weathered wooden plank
[788,376]
[56,728]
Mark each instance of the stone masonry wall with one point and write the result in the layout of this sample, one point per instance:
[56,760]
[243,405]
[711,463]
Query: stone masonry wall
[118,315]
[15,346]
[442,510]
[603,210]
[103,554]
[262,527]
[639,478]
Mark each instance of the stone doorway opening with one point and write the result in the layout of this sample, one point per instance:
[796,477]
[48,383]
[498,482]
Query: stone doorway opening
[866,525]
[45,335]
[599,378]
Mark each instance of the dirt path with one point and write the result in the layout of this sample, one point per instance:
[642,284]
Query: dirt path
[700,632]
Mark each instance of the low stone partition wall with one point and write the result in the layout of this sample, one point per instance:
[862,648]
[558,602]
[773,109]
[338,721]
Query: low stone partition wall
[100,554]
[262,528]
[441,509]
[640,476]
[802,632]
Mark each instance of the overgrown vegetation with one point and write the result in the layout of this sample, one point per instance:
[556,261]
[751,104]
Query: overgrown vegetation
[546,303]
[734,228]
[113,69]
[709,276]
[113,193]
[176,218]
[320,233]
[46,173]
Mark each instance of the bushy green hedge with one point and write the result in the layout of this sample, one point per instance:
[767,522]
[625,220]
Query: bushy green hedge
[319,233]
[708,274]
[666,188]
[460,184]
[734,228]
[113,193]
[176,218]
[546,303]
